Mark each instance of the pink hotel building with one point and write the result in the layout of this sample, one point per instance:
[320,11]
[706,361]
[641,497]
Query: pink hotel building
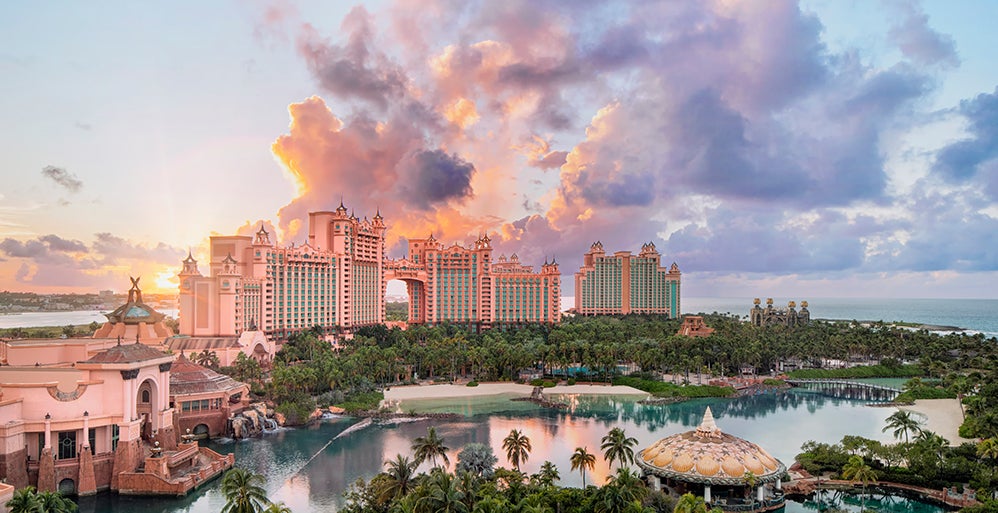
[337,280]
[623,283]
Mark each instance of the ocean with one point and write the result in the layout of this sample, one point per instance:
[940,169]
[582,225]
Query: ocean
[39,319]
[974,315]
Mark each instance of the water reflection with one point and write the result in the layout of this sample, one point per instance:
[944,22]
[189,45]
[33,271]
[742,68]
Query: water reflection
[833,500]
[310,468]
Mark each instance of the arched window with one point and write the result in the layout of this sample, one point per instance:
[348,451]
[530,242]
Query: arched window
[145,396]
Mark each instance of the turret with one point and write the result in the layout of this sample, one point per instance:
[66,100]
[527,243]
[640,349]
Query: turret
[228,290]
[190,266]
[189,275]
[262,237]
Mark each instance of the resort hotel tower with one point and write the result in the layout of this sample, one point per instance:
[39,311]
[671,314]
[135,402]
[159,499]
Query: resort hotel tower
[334,280]
[464,286]
[623,283]
[337,280]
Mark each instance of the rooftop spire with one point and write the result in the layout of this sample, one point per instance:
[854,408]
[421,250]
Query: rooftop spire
[707,426]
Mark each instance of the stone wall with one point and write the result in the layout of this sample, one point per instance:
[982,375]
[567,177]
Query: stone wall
[14,468]
[216,420]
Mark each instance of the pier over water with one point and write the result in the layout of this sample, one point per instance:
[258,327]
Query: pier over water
[847,389]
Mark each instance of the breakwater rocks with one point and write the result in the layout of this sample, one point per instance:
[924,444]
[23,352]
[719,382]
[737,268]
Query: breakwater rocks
[388,416]
[252,421]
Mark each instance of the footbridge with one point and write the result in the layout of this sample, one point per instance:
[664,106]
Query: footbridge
[847,389]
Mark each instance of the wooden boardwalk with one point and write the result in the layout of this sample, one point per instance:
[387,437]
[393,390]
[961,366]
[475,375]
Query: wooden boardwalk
[842,382]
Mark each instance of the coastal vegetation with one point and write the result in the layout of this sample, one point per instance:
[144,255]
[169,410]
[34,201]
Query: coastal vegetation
[29,500]
[309,372]
[665,389]
[477,486]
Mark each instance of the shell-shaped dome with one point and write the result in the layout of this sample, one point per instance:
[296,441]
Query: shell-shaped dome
[683,462]
[663,458]
[708,466]
[732,467]
[753,465]
[707,455]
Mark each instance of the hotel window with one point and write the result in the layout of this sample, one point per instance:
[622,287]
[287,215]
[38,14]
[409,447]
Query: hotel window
[115,434]
[67,445]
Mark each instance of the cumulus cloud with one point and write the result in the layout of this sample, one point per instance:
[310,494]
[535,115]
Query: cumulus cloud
[433,176]
[111,249]
[54,261]
[919,42]
[726,132]
[62,178]
[355,69]
[965,159]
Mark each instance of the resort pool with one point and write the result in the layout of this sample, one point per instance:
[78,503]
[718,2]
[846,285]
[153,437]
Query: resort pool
[843,502]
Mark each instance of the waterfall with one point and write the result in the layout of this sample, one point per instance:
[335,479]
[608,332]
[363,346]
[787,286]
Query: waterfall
[269,424]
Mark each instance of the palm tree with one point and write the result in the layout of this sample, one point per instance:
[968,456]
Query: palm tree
[903,423]
[857,471]
[430,446]
[548,474]
[54,502]
[400,474]
[442,495]
[243,492]
[988,448]
[617,446]
[630,485]
[278,507]
[689,503]
[581,460]
[25,501]
[206,358]
[517,447]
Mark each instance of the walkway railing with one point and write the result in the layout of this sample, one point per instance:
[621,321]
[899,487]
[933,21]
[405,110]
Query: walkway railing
[842,382]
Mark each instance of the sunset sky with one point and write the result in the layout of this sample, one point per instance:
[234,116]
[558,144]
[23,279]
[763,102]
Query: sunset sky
[771,148]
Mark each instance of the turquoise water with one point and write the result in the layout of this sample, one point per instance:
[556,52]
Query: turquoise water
[972,314]
[874,500]
[309,468]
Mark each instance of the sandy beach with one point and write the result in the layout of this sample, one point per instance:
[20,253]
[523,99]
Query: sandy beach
[483,389]
[941,416]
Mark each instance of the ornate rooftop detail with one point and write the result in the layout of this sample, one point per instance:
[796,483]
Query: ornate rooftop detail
[709,456]
[262,237]
[190,265]
[134,311]
[708,428]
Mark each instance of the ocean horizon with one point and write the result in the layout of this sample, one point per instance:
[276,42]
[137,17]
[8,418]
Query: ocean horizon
[973,315]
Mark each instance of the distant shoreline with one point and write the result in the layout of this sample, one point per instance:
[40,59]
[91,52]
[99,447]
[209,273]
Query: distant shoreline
[443,391]
[902,324]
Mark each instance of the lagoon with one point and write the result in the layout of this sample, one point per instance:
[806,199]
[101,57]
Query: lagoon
[309,468]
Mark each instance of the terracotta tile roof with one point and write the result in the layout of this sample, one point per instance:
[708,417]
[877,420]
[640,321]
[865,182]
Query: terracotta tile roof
[126,353]
[200,343]
[189,378]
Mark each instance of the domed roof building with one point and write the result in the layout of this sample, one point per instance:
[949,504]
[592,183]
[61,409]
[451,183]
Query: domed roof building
[721,466]
[135,320]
